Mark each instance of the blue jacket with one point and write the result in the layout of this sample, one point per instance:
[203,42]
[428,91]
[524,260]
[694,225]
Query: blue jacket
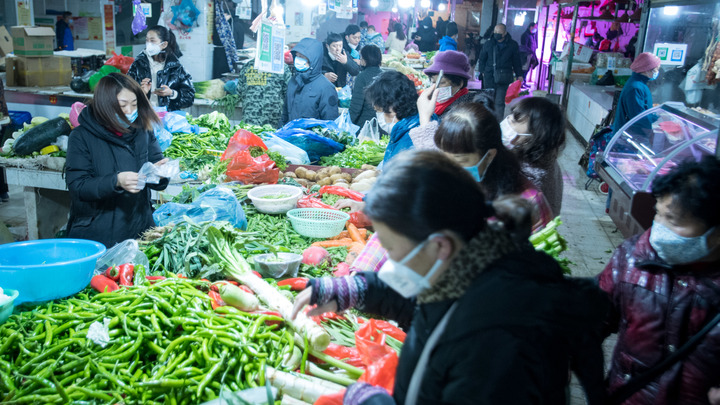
[309,93]
[400,137]
[447,44]
[634,99]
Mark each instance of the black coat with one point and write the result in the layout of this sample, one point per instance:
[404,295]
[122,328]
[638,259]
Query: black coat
[361,110]
[99,210]
[338,68]
[509,341]
[508,58]
[428,37]
[173,75]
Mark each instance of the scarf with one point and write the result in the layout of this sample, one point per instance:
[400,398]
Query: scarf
[484,249]
[441,107]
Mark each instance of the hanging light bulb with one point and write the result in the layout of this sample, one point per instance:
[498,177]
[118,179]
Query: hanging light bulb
[374,3]
[406,3]
[394,9]
[425,3]
[442,7]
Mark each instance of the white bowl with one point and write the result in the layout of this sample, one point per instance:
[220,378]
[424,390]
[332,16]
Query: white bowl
[290,196]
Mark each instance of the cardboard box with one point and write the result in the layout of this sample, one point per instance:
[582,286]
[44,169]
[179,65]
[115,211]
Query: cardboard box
[582,53]
[6,42]
[38,72]
[33,41]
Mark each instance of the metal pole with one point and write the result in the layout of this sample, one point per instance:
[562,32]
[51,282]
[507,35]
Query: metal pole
[542,49]
[571,53]
[552,51]
[452,10]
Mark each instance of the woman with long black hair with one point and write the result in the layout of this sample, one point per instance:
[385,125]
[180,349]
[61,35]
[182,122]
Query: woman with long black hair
[159,72]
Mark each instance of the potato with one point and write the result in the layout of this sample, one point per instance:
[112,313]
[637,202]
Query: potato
[343,185]
[322,173]
[303,182]
[340,181]
[311,175]
[324,182]
[335,170]
[368,167]
[344,176]
[300,172]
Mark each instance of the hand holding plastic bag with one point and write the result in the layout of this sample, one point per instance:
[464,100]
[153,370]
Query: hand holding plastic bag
[152,174]
[513,91]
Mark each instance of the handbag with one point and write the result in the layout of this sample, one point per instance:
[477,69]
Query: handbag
[502,75]
[637,383]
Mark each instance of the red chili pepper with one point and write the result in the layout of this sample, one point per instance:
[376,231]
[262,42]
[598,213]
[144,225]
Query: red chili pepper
[103,284]
[112,273]
[257,274]
[127,271]
[232,282]
[271,313]
[217,301]
[180,276]
[296,284]
[205,280]
[246,289]
[154,279]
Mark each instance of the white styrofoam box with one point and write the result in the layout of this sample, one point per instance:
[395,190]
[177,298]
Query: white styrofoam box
[582,53]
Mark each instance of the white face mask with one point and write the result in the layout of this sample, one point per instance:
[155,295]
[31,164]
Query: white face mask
[509,134]
[384,125]
[676,249]
[405,280]
[152,49]
[444,94]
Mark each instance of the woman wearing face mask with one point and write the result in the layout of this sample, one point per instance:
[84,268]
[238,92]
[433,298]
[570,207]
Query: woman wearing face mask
[664,286]
[361,109]
[338,61]
[105,153]
[489,319]
[425,36]
[394,98]
[535,132]
[636,97]
[159,72]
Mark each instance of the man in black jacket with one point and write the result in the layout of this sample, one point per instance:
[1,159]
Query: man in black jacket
[499,58]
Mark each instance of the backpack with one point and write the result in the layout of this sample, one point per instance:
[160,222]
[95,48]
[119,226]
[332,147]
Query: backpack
[597,143]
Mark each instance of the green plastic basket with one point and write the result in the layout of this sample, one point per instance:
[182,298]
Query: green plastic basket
[317,222]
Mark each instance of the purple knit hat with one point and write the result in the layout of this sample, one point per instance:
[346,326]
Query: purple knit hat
[645,62]
[451,63]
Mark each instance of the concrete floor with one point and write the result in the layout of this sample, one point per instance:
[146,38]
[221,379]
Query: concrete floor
[590,233]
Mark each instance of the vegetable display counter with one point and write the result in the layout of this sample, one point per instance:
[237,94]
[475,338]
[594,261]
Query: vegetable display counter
[648,146]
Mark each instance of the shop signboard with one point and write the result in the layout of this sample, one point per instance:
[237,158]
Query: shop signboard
[671,54]
[270,48]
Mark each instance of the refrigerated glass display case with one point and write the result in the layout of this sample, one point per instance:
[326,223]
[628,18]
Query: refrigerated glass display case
[648,146]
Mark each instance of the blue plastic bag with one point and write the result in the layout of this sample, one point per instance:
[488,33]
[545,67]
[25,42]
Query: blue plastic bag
[185,13]
[164,137]
[292,153]
[315,145]
[175,123]
[305,123]
[217,204]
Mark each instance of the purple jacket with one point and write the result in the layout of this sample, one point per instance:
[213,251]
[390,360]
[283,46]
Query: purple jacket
[656,309]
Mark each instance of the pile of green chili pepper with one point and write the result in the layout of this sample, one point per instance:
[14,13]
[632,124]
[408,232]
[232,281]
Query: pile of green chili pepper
[166,346]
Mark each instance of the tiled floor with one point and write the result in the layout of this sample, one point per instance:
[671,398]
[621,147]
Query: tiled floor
[590,233]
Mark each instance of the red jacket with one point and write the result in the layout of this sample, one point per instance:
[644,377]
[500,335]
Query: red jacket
[656,309]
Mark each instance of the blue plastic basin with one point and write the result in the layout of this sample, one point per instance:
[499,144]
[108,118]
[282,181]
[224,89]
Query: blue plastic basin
[48,269]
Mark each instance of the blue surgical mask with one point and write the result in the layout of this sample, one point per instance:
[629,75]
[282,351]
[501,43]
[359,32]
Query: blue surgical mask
[403,279]
[475,170]
[655,75]
[132,116]
[676,249]
[301,64]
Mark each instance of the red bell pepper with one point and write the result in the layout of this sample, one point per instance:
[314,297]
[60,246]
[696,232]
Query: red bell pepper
[103,284]
[113,273]
[296,284]
[127,271]
[341,191]
[217,301]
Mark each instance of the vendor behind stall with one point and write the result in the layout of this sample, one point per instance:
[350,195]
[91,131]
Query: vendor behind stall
[636,97]
[105,153]
[63,33]
[159,72]
[489,319]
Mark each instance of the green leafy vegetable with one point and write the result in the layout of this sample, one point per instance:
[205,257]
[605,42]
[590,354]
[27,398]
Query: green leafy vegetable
[367,153]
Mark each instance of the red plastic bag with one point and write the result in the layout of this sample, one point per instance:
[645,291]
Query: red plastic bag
[390,329]
[331,399]
[341,191]
[382,372]
[359,219]
[250,170]
[241,141]
[311,202]
[370,343]
[121,62]
[349,355]
[513,91]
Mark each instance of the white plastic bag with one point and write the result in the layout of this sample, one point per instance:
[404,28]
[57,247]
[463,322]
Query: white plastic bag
[292,153]
[151,174]
[370,131]
[346,124]
[126,251]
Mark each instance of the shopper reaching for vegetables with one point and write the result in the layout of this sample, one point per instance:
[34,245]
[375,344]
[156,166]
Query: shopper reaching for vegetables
[489,319]
[105,154]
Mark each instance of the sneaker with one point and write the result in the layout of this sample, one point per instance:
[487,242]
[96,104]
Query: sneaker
[4,197]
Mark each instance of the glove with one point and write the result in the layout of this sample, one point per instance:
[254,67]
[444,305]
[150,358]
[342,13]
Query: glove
[348,291]
[358,393]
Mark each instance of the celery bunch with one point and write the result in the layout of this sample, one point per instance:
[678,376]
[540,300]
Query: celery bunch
[548,240]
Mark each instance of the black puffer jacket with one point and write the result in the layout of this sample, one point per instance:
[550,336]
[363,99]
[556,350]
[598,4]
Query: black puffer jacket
[508,58]
[330,65]
[510,340]
[172,75]
[99,210]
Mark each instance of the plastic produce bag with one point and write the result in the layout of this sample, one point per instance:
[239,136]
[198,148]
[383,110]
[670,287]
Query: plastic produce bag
[249,170]
[164,137]
[75,111]
[306,123]
[370,132]
[216,204]
[102,72]
[151,174]
[341,191]
[346,124]
[242,141]
[344,96]
[185,14]
[175,123]
[380,359]
[138,22]
[513,91]
[315,145]
[121,62]
[291,152]
[349,355]
[123,252]
[62,142]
